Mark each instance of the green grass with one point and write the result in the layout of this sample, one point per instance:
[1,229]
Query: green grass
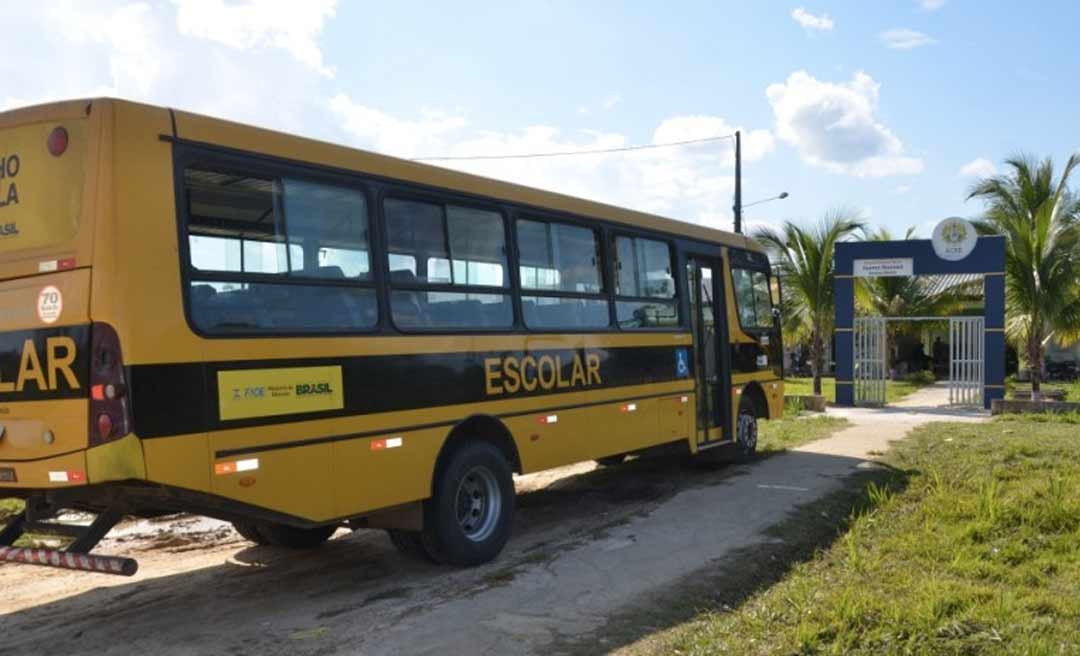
[794,430]
[10,507]
[972,547]
[894,389]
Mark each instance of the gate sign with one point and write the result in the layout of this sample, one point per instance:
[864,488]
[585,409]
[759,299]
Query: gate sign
[884,267]
[954,239]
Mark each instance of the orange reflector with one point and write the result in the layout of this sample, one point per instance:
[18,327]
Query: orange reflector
[232,467]
[388,443]
[685,399]
[97,392]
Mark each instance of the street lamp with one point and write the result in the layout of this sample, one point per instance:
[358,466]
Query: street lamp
[782,196]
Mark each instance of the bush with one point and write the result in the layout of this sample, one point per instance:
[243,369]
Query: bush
[923,377]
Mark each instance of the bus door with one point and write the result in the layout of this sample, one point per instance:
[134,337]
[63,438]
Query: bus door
[707,323]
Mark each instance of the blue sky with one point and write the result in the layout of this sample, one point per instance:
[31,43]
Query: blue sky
[893,109]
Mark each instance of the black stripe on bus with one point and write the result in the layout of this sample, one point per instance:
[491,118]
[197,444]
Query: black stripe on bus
[176,399]
[225,453]
[31,353]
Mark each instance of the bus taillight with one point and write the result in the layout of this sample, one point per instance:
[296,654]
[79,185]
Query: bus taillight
[110,416]
[58,141]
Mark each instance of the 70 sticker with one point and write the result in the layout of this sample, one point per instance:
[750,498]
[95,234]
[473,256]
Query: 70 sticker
[50,304]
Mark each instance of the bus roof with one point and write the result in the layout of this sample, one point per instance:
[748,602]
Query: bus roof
[199,128]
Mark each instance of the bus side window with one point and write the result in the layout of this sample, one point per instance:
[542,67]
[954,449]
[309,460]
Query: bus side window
[644,287]
[274,254]
[447,266]
[560,276]
[752,298]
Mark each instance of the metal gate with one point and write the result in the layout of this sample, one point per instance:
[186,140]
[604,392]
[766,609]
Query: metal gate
[870,361]
[966,368]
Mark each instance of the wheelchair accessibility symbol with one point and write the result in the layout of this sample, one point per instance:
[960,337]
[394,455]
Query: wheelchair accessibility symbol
[682,363]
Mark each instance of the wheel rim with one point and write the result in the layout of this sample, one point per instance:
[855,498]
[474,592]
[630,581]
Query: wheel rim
[747,432]
[479,502]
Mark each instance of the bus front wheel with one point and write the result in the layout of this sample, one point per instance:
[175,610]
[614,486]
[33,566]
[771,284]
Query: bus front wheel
[746,430]
[467,521]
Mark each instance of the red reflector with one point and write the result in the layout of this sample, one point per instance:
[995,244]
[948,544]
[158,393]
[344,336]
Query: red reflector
[58,141]
[97,392]
[104,425]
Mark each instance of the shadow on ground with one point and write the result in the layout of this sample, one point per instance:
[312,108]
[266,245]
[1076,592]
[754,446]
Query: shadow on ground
[344,596]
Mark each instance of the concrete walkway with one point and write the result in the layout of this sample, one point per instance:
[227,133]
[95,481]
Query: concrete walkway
[574,594]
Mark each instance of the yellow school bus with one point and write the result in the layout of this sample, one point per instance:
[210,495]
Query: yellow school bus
[294,336]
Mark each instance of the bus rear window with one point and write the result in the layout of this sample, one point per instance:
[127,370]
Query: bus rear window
[40,193]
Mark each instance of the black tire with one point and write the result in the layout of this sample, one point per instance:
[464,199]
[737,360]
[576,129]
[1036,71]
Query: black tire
[468,518]
[249,531]
[409,544]
[746,431]
[612,461]
[281,535]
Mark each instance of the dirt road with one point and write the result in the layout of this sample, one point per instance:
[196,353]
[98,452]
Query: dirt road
[588,544]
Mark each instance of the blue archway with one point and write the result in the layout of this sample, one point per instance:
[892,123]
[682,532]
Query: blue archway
[917,257]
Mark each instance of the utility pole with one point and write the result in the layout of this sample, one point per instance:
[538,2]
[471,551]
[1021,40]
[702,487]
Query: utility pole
[738,181]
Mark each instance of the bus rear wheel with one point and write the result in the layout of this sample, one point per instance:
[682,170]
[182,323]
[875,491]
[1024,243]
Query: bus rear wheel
[281,535]
[249,531]
[468,519]
[612,461]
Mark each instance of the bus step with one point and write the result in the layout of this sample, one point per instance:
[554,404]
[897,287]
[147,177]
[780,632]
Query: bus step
[76,555]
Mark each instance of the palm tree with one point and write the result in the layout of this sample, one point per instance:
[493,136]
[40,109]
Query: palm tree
[803,258]
[906,296]
[1040,218]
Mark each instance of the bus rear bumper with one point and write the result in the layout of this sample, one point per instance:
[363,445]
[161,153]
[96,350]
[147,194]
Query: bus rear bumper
[118,460]
[76,556]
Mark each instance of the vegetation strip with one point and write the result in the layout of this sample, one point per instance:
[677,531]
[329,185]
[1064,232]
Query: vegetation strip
[968,543]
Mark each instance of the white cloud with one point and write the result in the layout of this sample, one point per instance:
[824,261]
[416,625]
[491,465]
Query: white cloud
[129,33]
[834,126]
[139,50]
[808,21]
[902,38]
[388,134]
[980,167]
[901,189]
[134,49]
[755,143]
[289,25]
[692,182]
[932,5]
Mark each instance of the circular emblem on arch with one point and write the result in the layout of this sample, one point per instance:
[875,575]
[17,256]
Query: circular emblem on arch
[954,239]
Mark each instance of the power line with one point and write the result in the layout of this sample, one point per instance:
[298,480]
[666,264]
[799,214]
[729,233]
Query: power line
[575,152]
